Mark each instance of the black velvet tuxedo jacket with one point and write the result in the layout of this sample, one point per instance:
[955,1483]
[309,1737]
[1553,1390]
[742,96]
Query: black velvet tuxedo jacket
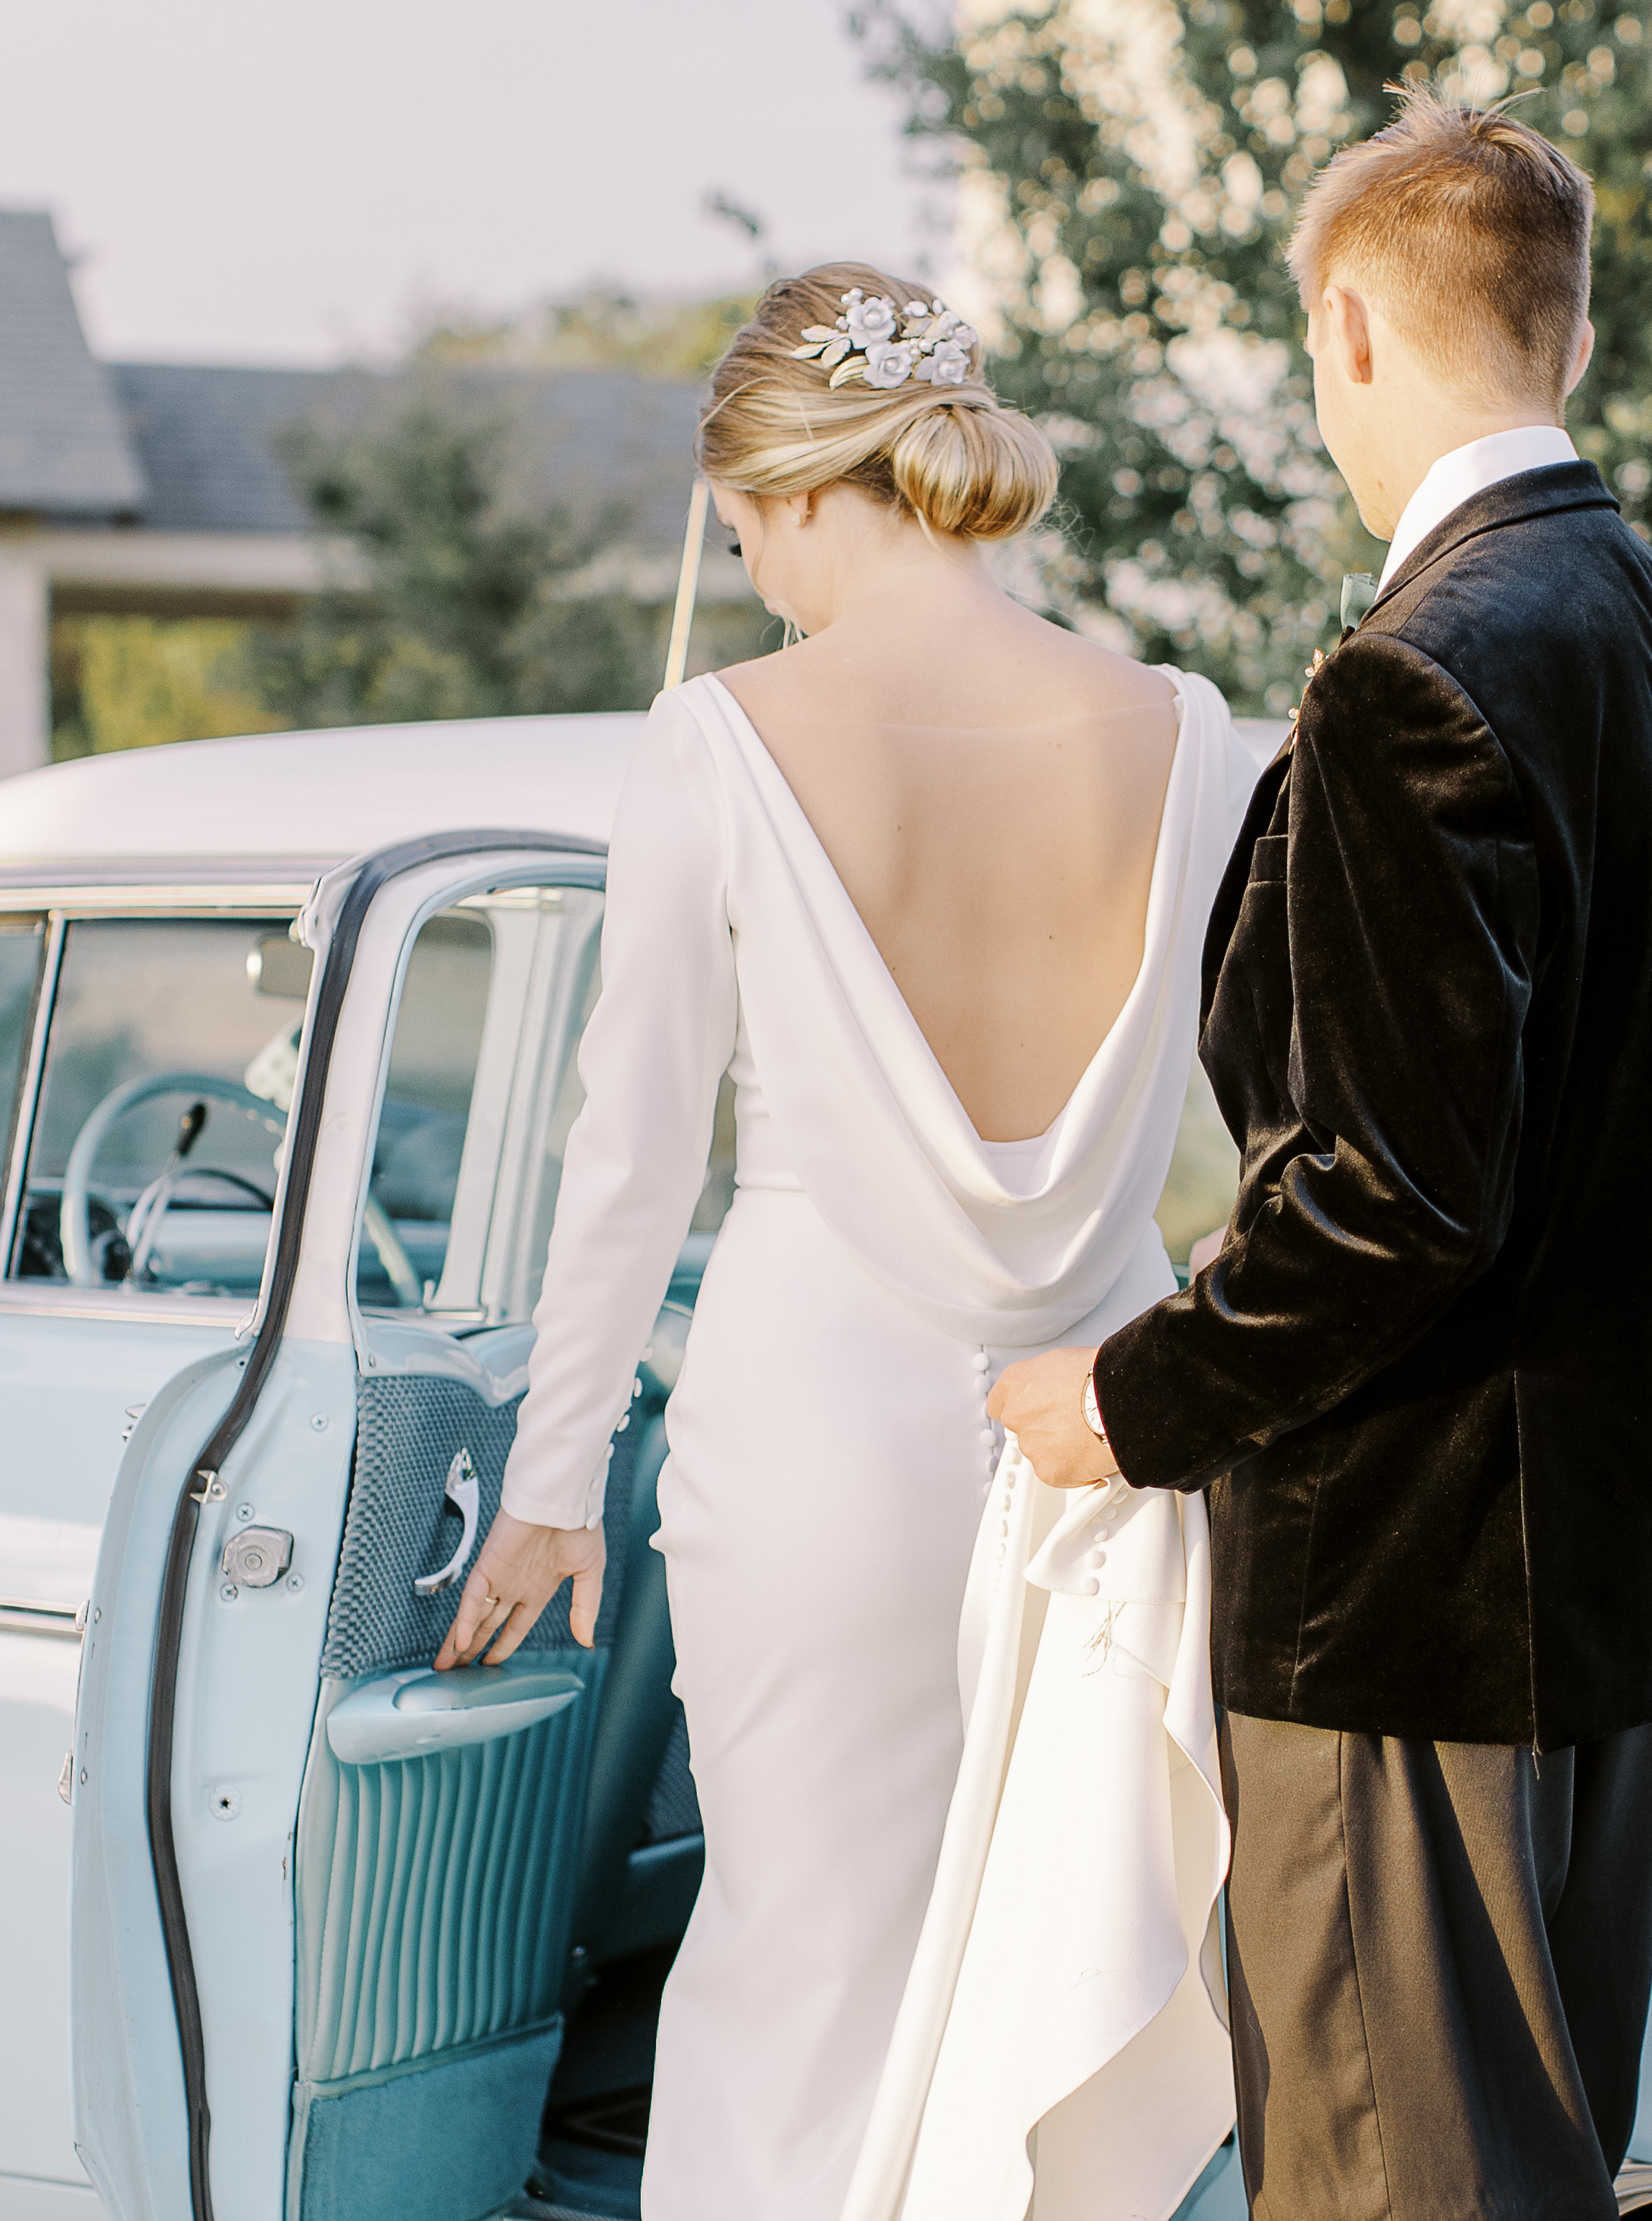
[1418,1380]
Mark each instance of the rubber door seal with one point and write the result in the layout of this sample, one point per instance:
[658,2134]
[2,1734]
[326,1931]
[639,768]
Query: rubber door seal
[375,874]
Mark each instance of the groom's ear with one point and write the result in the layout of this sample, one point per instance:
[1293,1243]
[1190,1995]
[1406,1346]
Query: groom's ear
[1586,349]
[1347,326]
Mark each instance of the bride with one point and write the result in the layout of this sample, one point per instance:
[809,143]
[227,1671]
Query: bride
[930,886]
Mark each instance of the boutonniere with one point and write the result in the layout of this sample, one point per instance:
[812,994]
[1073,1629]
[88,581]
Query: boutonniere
[1359,592]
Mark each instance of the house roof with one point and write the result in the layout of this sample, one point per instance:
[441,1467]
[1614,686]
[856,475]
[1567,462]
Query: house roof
[205,436]
[63,448]
[208,437]
[196,447]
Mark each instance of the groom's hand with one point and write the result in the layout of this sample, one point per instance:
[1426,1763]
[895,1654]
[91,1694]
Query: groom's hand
[1041,1401]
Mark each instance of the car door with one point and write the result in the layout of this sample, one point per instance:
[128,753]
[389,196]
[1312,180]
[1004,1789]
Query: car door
[321,1898]
[126,1012]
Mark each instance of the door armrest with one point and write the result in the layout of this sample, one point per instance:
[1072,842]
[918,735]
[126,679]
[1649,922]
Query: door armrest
[413,1714]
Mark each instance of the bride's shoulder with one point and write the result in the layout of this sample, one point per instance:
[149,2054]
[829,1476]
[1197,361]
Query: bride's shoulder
[770,683]
[1015,667]
[1096,676]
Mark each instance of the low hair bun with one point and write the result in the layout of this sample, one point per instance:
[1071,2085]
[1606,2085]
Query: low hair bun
[953,456]
[966,464]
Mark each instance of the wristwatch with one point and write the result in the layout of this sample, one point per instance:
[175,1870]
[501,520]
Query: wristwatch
[1092,1411]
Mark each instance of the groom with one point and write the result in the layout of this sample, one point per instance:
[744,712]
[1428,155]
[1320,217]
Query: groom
[1418,1379]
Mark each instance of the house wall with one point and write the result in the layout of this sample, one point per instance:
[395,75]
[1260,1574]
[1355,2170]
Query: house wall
[25,647]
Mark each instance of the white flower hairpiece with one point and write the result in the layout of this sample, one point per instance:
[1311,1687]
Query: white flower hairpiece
[874,341]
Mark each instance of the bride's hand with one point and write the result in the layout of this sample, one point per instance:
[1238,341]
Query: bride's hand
[1041,1401]
[519,1570]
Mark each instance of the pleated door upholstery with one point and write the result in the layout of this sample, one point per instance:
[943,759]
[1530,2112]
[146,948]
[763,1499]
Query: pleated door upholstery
[433,1897]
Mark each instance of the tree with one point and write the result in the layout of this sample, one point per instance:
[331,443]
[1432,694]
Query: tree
[1132,168]
[454,602]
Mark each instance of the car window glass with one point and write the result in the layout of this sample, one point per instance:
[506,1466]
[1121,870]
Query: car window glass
[481,1094]
[169,1065]
[23,943]
[422,1125]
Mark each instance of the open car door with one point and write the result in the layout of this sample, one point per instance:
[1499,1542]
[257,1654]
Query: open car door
[323,1899]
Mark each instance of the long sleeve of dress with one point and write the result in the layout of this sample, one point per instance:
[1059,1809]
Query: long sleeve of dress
[655,1047]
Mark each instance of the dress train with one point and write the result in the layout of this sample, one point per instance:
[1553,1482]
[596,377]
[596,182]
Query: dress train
[1060,2051]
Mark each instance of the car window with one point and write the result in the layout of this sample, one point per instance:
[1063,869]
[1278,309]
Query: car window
[169,1064]
[23,944]
[481,1094]
[420,1144]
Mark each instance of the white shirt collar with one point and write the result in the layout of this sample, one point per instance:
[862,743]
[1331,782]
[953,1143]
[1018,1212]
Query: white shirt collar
[1468,471]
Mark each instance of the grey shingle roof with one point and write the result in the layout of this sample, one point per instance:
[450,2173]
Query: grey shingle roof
[63,450]
[205,435]
[589,438]
[194,448]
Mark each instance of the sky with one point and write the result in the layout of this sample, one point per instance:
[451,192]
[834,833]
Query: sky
[305,181]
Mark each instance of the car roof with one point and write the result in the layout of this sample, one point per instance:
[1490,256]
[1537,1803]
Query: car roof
[282,804]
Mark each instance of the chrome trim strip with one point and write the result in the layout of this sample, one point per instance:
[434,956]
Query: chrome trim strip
[57,1622]
[28,1089]
[186,896]
[215,866]
[127,1306]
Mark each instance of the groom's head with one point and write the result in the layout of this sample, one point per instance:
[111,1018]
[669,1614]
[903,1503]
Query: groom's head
[1444,266]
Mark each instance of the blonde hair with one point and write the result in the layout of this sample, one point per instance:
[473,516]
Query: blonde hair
[1472,232]
[953,456]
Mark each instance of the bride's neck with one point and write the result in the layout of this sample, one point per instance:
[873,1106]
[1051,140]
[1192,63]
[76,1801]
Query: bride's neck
[905,580]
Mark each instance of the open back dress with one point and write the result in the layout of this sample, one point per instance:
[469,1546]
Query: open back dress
[832,1475]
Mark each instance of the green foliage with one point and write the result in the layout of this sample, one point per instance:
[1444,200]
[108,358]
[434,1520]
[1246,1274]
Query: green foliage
[1136,191]
[136,682]
[603,329]
[453,601]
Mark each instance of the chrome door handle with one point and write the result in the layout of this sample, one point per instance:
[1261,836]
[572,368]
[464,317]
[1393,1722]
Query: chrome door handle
[463,1491]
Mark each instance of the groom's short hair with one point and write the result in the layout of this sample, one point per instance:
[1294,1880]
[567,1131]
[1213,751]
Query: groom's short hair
[1470,233]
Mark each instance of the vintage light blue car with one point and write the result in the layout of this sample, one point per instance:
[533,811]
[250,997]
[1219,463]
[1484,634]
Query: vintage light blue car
[292,1928]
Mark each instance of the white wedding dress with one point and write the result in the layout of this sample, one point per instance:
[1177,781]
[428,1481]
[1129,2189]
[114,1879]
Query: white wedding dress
[831,1461]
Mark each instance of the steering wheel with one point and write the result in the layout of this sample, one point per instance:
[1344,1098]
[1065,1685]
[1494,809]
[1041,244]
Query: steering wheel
[75,1236]
[74,1230]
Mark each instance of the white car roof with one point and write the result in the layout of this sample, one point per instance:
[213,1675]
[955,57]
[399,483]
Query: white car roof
[279,800]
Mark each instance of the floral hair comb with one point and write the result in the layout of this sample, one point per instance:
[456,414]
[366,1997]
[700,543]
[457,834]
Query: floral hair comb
[875,341]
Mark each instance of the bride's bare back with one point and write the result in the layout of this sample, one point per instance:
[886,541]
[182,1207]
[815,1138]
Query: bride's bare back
[989,790]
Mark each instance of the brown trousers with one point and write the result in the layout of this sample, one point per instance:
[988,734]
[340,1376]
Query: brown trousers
[1439,1956]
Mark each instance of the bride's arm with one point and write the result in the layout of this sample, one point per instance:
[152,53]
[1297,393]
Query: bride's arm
[657,1044]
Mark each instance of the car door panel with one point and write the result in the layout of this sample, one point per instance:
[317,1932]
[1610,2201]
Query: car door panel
[400,1929]
[434,1895]
[38,1674]
[246,1701]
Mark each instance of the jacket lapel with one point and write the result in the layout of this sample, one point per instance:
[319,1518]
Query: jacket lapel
[1541,493]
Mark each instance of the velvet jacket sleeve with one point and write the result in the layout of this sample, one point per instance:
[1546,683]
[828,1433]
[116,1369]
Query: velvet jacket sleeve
[1366,1018]
[656,1046]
